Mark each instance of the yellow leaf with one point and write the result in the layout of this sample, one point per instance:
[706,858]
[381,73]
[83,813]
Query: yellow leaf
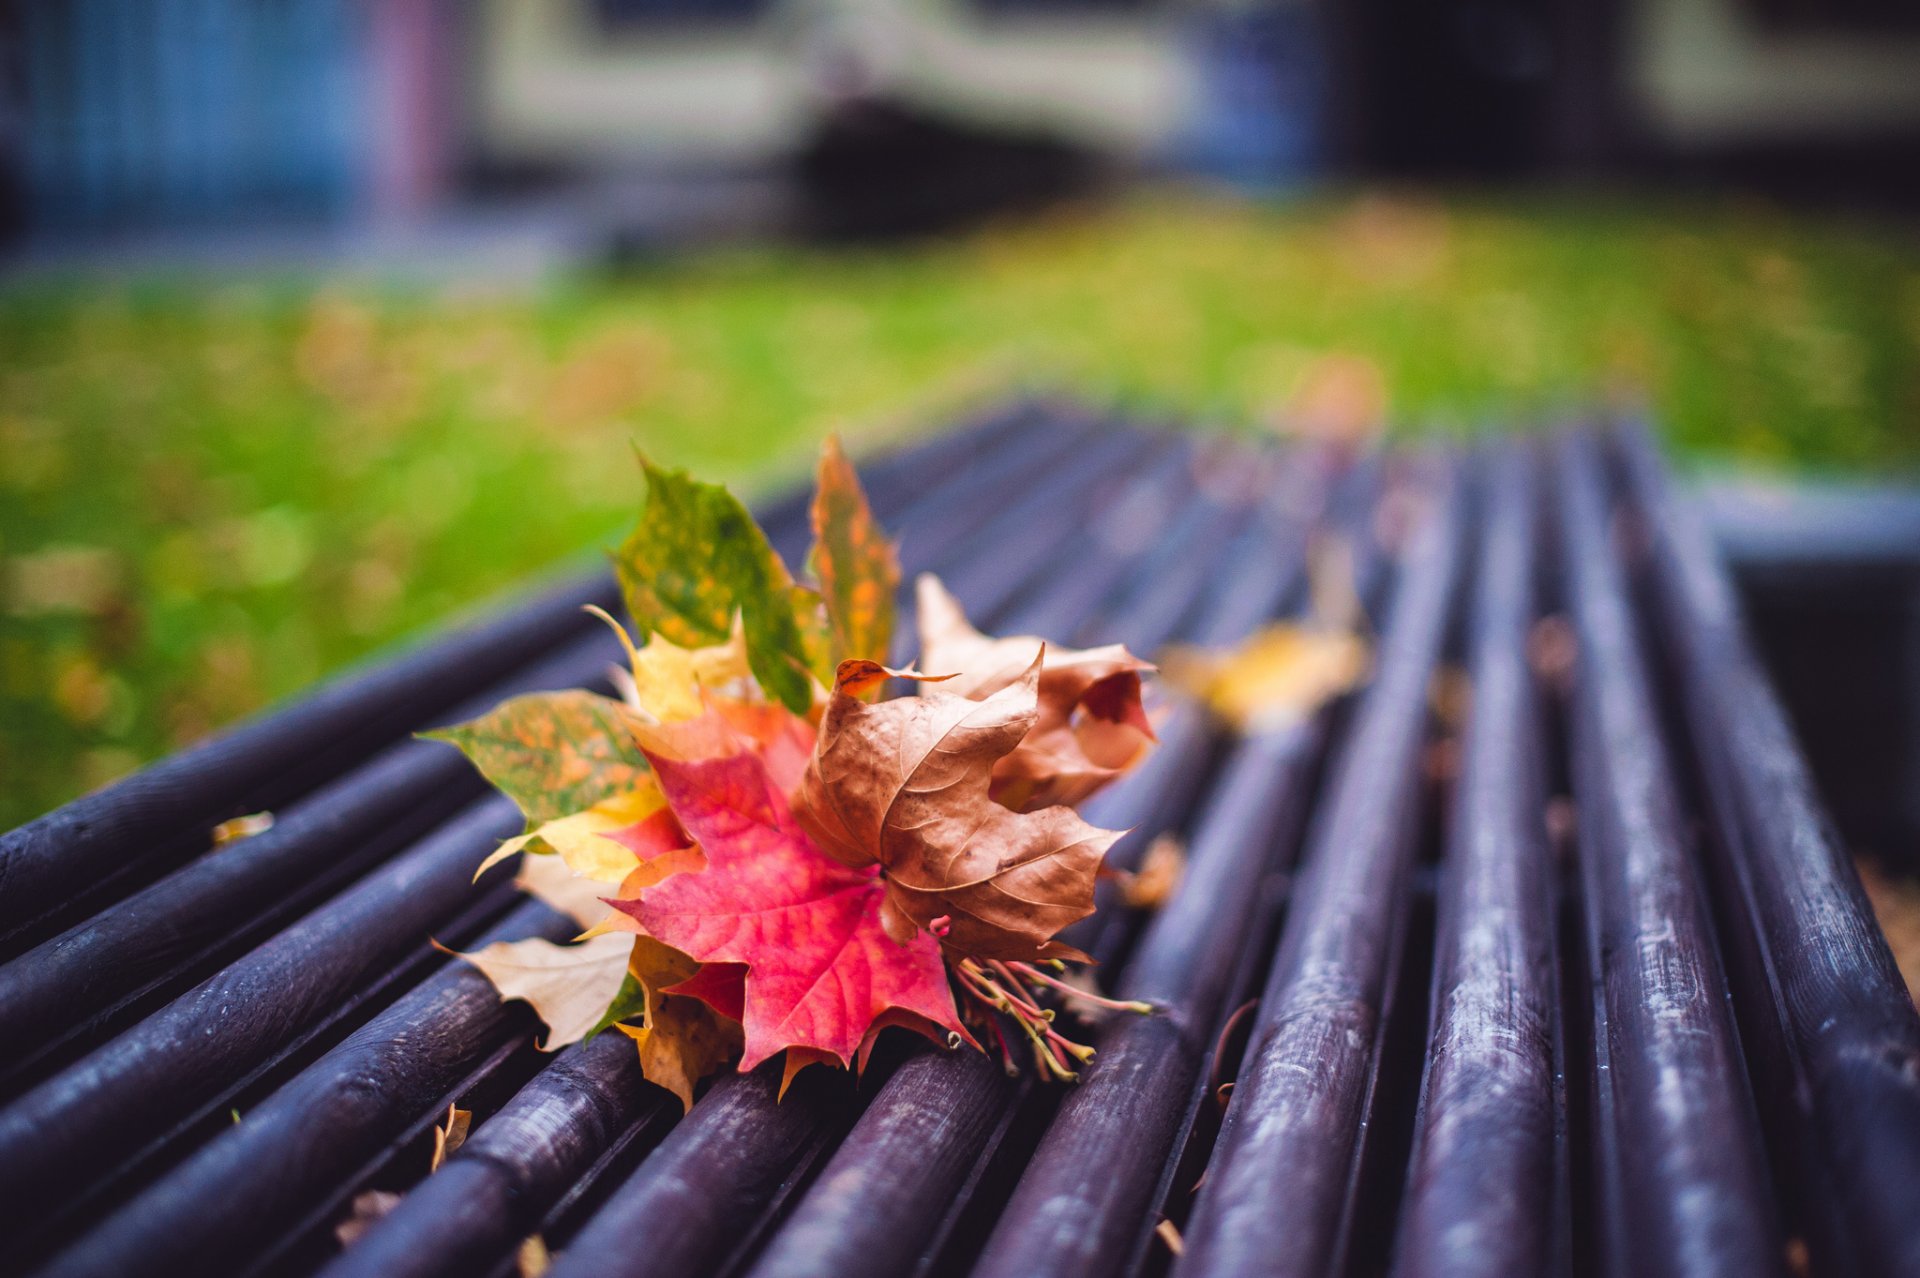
[533,1259]
[580,839]
[241,827]
[1279,676]
[569,986]
[1154,883]
[665,681]
[449,1137]
[682,1039]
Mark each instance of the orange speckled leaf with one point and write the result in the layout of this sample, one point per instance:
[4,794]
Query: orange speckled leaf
[553,753]
[858,566]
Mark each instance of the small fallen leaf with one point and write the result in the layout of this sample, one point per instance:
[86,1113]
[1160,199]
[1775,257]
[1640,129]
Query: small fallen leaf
[533,1259]
[905,784]
[569,986]
[858,567]
[1278,676]
[241,827]
[369,1208]
[1169,1234]
[1153,884]
[1089,726]
[1450,693]
[449,1136]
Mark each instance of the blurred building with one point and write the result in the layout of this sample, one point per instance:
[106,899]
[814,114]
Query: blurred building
[131,114]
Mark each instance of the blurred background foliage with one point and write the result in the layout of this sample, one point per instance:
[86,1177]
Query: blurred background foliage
[212,493]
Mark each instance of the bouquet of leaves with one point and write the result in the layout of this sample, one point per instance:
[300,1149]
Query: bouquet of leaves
[766,851]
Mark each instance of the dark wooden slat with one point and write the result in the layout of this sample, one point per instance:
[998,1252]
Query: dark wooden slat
[1480,1187]
[237,1192]
[92,977]
[1278,1187]
[54,1138]
[702,1190]
[1683,1186]
[162,814]
[496,1188]
[1830,1016]
[1085,1204]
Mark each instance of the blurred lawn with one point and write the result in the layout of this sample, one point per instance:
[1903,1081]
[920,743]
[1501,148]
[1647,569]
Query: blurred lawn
[211,495]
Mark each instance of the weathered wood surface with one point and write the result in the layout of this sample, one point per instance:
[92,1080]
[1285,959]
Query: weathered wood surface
[1447,1071]
[1682,1182]
[1481,1191]
[1838,1036]
[1278,1188]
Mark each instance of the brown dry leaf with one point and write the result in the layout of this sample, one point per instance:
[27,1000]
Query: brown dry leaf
[533,1259]
[1450,693]
[1169,1233]
[681,1038]
[449,1136]
[368,1210]
[905,784]
[569,986]
[1154,883]
[1278,676]
[241,827]
[1090,725]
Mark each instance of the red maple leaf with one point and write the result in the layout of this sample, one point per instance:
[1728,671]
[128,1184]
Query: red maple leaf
[820,967]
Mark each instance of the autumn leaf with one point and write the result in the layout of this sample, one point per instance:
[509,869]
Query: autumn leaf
[569,986]
[667,683]
[449,1136]
[905,785]
[553,753]
[696,559]
[1276,677]
[681,1039]
[857,566]
[1090,725]
[820,967]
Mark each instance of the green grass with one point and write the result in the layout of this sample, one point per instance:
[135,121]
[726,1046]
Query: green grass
[210,495]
